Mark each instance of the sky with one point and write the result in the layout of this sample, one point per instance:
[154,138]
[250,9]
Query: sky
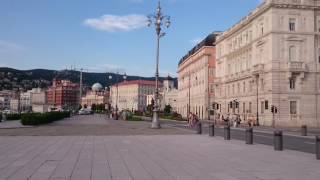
[108,35]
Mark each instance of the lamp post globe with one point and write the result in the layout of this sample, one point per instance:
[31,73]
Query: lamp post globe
[158,19]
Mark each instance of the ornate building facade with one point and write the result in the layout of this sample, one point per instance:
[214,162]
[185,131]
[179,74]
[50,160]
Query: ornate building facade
[271,58]
[131,95]
[63,94]
[196,72]
[169,94]
[97,95]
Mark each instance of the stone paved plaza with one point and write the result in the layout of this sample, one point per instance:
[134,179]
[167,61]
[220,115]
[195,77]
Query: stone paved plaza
[88,125]
[151,156]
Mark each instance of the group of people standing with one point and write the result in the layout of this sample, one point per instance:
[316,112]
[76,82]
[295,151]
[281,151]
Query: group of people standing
[231,120]
[192,119]
[235,120]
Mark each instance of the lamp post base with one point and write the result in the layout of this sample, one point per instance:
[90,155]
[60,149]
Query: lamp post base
[155,121]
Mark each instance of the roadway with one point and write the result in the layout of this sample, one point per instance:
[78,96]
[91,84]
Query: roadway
[290,141]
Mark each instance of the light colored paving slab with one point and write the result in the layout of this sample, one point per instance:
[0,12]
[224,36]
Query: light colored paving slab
[12,125]
[157,157]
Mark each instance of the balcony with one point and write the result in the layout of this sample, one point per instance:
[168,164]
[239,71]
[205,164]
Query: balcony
[296,66]
[257,69]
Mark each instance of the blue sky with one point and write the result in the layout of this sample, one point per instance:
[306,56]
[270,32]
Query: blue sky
[107,35]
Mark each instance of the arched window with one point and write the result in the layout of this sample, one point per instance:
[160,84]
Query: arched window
[292,53]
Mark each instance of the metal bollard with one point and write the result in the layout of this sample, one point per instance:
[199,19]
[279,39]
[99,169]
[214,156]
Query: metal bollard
[211,130]
[318,147]
[249,135]
[278,140]
[227,132]
[304,130]
[116,116]
[199,128]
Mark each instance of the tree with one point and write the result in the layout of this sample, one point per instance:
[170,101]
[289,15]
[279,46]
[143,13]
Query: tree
[167,109]
[93,107]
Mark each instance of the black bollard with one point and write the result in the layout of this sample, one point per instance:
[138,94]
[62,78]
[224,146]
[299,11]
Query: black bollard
[304,130]
[227,132]
[199,128]
[211,130]
[318,147]
[249,136]
[278,140]
[116,116]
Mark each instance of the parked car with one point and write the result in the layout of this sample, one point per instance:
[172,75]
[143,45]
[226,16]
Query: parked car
[84,111]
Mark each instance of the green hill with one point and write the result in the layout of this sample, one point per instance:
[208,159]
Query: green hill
[12,78]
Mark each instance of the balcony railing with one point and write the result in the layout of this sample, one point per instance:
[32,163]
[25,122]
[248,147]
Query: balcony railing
[296,66]
[257,69]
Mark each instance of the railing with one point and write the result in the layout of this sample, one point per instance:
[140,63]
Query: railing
[296,66]
[258,68]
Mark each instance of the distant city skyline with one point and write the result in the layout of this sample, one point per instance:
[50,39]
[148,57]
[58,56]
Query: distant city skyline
[108,35]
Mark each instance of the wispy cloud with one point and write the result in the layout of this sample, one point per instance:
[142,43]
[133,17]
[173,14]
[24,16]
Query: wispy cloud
[112,23]
[6,46]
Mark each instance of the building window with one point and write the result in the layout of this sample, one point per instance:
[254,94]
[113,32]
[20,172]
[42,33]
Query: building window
[250,87]
[292,24]
[244,87]
[293,107]
[319,56]
[244,107]
[292,83]
[292,53]
[211,88]
[250,107]
[262,107]
[232,89]
[266,104]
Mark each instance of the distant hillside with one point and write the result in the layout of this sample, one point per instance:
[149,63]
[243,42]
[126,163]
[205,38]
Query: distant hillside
[12,78]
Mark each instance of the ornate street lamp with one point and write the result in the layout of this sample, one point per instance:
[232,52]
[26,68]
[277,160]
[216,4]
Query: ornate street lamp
[158,20]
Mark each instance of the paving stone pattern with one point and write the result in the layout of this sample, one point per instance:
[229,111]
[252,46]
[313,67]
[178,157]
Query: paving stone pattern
[91,125]
[158,157]
[96,148]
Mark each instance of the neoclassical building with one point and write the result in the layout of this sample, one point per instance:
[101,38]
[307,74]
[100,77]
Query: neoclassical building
[271,58]
[97,95]
[196,72]
[169,94]
[132,95]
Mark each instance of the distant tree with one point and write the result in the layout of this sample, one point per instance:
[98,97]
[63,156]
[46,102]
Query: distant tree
[93,107]
[167,109]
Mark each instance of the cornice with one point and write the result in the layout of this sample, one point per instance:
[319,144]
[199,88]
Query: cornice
[190,60]
[248,19]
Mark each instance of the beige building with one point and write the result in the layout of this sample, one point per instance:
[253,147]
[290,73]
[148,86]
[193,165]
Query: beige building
[196,72]
[271,57]
[5,97]
[26,101]
[131,95]
[14,105]
[97,95]
[169,94]
[39,101]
